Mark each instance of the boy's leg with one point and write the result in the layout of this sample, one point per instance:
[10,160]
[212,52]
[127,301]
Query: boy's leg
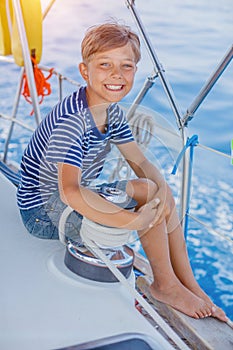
[181,264]
[162,253]
[166,286]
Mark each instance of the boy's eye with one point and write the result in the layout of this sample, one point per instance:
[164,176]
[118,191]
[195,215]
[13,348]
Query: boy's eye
[104,64]
[127,66]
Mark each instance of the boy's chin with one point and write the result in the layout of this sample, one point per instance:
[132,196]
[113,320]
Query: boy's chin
[116,98]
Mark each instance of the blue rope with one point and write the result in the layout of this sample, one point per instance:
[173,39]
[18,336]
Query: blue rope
[10,174]
[191,142]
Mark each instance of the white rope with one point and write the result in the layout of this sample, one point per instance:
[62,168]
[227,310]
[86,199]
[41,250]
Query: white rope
[142,127]
[165,327]
[104,236]
[61,227]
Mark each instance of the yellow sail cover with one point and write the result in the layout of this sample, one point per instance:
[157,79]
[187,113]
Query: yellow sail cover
[5,37]
[11,44]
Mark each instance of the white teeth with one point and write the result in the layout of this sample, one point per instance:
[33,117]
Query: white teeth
[114,87]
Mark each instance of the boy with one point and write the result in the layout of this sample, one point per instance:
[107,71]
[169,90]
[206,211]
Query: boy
[68,150]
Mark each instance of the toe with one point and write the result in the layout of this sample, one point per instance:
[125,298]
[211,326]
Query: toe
[201,313]
[219,313]
[196,316]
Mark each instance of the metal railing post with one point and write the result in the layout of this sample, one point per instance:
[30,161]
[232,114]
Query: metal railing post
[14,113]
[158,68]
[208,86]
[185,189]
[27,59]
[149,82]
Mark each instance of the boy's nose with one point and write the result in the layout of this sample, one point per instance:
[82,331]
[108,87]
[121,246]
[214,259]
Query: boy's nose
[116,72]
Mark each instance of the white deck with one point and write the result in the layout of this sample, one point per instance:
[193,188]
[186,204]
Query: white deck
[44,305]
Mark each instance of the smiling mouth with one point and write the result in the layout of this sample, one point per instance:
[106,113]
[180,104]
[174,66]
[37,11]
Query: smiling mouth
[114,87]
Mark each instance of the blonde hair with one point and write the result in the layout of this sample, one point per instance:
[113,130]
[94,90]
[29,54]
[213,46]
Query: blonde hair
[107,36]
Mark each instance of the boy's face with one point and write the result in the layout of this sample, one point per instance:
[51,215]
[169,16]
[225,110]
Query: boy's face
[109,75]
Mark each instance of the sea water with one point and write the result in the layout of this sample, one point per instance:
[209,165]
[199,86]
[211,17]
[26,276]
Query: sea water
[190,38]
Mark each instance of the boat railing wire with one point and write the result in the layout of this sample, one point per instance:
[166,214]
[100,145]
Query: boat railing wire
[207,224]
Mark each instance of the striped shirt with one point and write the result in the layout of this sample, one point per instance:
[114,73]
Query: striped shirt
[68,134]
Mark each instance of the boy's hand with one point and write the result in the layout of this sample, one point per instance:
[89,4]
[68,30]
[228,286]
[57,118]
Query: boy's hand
[154,211]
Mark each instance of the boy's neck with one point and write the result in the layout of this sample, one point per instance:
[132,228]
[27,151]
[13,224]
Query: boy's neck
[99,114]
[98,111]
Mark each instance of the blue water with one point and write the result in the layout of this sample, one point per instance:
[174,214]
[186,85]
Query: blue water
[190,37]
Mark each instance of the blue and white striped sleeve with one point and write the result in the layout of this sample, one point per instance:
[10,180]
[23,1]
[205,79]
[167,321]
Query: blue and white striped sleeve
[65,144]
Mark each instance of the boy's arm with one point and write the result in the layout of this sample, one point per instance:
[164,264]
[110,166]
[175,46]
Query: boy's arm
[93,206]
[143,168]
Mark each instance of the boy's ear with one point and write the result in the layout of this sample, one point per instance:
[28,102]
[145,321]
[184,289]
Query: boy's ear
[83,70]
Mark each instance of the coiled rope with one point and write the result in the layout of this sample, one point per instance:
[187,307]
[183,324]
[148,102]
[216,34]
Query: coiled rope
[142,127]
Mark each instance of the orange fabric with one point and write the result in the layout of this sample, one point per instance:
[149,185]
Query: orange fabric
[43,87]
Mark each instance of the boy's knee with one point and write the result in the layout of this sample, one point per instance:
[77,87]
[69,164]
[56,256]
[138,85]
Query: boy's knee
[151,188]
[142,190]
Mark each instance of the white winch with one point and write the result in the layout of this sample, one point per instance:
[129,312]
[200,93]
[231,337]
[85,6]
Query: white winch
[112,241]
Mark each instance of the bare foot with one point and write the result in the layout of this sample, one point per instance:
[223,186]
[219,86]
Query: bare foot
[181,299]
[216,311]
[219,313]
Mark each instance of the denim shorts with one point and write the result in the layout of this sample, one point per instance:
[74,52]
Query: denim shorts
[43,221]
